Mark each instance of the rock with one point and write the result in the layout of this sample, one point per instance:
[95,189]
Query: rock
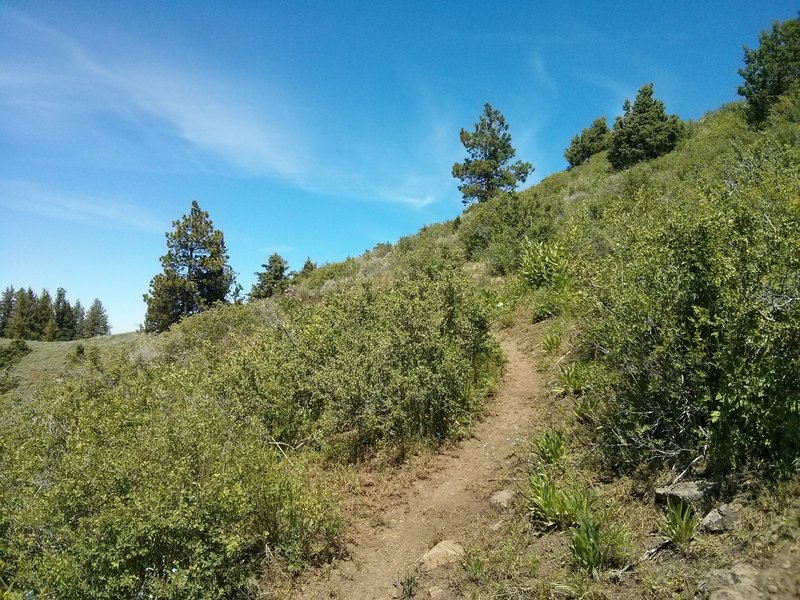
[502,499]
[696,493]
[723,518]
[437,593]
[443,553]
[736,583]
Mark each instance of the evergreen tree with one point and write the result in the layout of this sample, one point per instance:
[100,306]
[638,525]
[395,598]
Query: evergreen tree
[78,318]
[44,315]
[6,308]
[771,70]
[196,272]
[487,171]
[591,140]
[96,322]
[308,267]
[64,316]
[22,323]
[643,132]
[272,280]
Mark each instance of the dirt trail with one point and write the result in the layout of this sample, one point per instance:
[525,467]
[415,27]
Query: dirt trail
[452,502]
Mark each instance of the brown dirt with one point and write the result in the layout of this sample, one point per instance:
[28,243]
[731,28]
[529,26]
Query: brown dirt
[392,527]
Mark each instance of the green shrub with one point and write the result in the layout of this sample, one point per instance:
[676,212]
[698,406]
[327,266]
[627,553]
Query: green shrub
[694,318]
[11,353]
[125,479]
[491,231]
[541,262]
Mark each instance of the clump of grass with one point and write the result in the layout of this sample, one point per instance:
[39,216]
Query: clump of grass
[586,408]
[555,507]
[572,380]
[549,447]
[406,586]
[594,544]
[679,523]
[474,565]
[551,342]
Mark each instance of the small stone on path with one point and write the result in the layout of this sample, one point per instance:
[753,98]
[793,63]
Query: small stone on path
[443,553]
[502,499]
[437,593]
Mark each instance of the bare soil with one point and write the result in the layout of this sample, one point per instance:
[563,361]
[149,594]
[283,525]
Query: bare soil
[449,499]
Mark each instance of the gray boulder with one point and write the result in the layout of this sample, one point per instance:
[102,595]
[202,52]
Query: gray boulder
[723,518]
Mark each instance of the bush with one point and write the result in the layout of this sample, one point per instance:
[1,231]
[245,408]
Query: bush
[126,480]
[11,353]
[182,477]
[694,316]
[491,231]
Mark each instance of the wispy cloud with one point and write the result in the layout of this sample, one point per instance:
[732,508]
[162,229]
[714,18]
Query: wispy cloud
[198,108]
[616,91]
[51,79]
[46,201]
[540,73]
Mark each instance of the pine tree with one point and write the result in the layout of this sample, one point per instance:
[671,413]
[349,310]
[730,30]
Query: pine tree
[771,70]
[643,132]
[196,272]
[96,322]
[487,171]
[44,315]
[64,316]
[591,140]
[22,323]
[308,267]
[78,317]
[272,280]
[6,308]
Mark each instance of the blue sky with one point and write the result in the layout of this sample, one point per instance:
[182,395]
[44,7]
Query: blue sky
[305,128]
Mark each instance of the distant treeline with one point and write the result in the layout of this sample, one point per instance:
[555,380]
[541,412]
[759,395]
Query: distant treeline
[25,315]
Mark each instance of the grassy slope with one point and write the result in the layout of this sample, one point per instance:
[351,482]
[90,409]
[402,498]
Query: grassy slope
[574,199]
[48,359]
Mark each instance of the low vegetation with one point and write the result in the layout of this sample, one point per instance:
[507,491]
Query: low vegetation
[183,474]
[198,462]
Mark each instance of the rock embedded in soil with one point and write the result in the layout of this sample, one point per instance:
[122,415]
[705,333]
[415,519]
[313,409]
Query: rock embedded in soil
[696,493]
[723,518]
[437,593]
[443,553]
[502,499]
[737,583]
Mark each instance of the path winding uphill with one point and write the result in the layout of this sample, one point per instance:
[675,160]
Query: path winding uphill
[451,502]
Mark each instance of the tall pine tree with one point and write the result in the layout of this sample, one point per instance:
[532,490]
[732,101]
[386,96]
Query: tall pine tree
[771,70]
[96,322]
[22,323]
[78,317]
[487,170]
[64,317]
[6,308]
[195,273]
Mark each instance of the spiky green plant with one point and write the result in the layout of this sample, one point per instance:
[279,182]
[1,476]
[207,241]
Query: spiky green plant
[679,523]
[549,447]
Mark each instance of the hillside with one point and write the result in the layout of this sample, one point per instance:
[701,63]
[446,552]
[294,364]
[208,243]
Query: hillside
[576,346]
